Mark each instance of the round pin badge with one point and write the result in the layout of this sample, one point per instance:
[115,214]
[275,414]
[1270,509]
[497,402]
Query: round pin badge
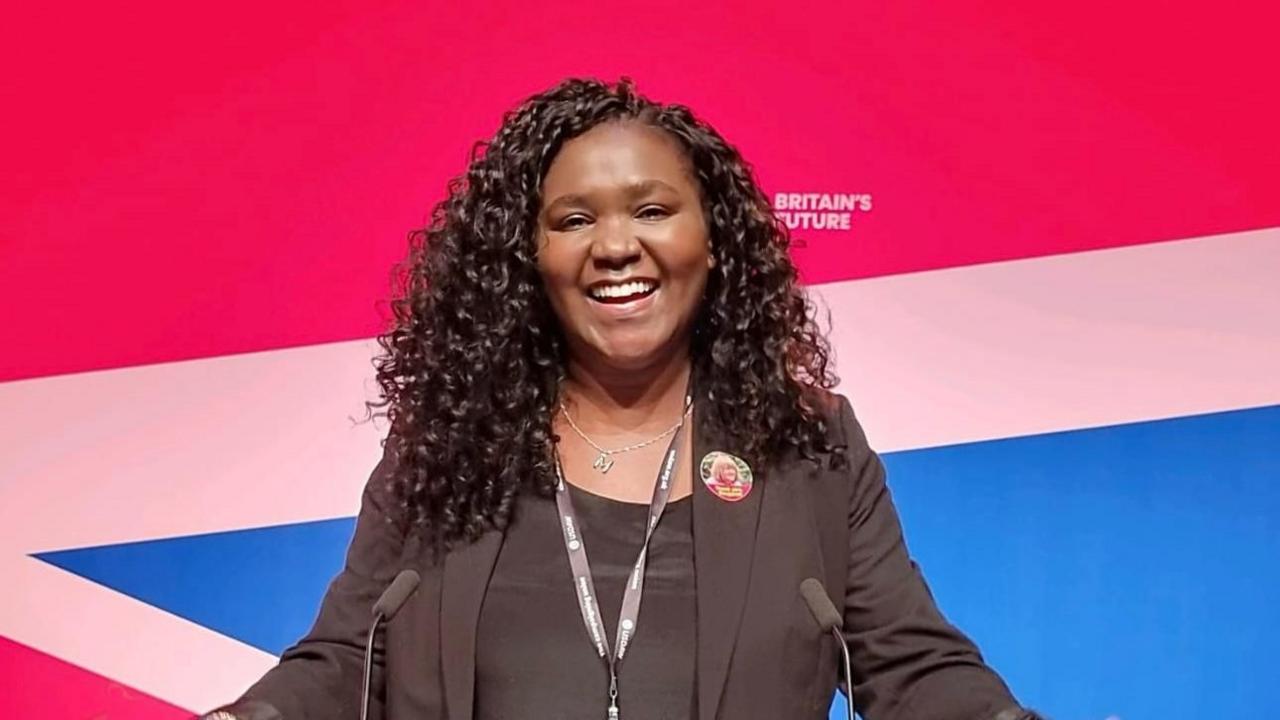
[727,476]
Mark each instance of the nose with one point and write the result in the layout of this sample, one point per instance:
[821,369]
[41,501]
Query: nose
[615,244]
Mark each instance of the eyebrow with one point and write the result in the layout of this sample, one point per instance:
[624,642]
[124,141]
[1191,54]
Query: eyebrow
[632,190]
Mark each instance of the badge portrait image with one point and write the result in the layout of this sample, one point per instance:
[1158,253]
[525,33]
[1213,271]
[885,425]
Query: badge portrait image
[728,477]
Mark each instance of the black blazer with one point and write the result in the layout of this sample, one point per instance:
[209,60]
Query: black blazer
[759,652]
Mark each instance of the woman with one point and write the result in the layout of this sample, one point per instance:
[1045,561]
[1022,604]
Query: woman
[603,303]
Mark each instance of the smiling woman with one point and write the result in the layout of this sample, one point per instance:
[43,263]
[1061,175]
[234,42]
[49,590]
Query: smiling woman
[601,311]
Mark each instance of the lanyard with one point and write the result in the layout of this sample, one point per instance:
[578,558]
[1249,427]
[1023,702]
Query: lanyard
[583,582]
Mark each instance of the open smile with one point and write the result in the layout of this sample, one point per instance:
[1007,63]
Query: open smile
[623,299]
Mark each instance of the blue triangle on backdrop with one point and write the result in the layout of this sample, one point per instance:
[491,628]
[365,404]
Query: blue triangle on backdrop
[260,586]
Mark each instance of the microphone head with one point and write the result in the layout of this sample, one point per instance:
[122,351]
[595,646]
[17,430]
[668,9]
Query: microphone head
[824,612]
[396,593]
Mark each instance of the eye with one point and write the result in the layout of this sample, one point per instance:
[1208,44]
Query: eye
[573,222]
[653,212]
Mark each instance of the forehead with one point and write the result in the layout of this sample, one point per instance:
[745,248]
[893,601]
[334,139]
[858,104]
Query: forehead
[616,154]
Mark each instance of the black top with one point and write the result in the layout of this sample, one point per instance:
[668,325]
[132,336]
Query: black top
[757,652]
[533,655]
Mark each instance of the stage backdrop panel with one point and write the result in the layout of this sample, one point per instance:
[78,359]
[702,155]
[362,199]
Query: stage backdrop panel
[1048,238]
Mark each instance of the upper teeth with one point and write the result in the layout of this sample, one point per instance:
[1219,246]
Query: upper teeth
[631,288]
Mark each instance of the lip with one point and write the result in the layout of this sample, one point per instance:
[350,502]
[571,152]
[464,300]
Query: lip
[619,311]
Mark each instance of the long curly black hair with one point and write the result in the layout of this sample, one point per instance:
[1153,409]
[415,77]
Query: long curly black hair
[471,368]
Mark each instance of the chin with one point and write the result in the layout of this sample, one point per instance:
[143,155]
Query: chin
[632,355]
[634,348]
[630,360]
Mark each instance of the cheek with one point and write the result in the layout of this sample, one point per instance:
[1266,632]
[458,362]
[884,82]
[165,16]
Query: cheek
[554,287]
[695,278]
[554,267]
[692,260]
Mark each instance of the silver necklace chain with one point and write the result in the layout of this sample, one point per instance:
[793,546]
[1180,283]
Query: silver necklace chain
[604,460]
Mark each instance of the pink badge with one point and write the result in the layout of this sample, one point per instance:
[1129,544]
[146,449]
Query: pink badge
[727,476]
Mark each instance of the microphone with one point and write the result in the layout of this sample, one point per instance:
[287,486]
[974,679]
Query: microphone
[394,596]
[390,602]
[830,620]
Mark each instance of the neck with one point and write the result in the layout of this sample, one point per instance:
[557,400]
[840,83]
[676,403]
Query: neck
[627,400]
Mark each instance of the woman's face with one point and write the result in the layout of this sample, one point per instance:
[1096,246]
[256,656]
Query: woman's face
[729,473]
[623,246]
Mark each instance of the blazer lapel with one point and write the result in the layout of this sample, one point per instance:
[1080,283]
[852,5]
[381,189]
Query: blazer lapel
[724,537]
[466,576]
